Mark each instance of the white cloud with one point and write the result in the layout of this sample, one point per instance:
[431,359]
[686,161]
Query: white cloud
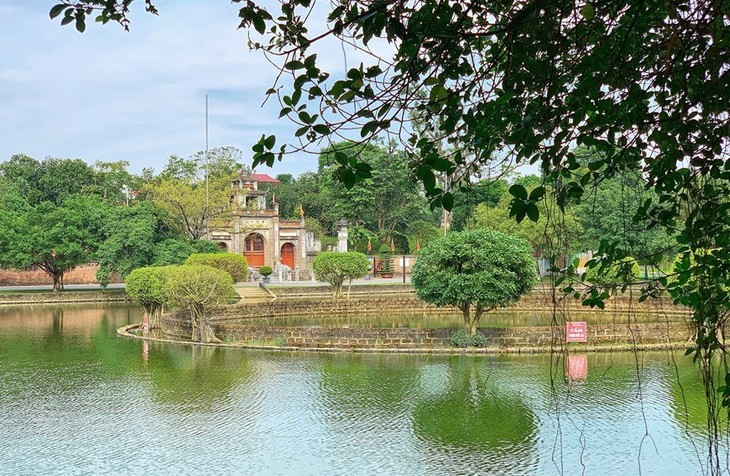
[139,96]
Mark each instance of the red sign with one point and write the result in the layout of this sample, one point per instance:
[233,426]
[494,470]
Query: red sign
[577,367]
[576,332]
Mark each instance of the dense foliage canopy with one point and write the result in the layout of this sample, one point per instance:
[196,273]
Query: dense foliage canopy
[146,286]
[233,264]
[481,268]
[335,267]
[198,288]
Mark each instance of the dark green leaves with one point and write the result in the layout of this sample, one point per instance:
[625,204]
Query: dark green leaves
[57,10]
[523,205]
[294,65]
[518,191]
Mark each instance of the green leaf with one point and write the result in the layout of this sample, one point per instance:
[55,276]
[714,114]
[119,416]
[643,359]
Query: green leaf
[533,213]
[447,201]
[438,93]
[259,24]
[57,10]
[429,180]
[588,11]
[537,194]
[321,129]
[518,191]
[294,65]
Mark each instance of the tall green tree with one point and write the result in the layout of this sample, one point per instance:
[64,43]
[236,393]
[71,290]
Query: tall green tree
[383,202]
[114,182]
[486,192]
[62,178]
[187,206]
[52,180]
[23,173]
[609,212]
[52,238]
[132,237]
[549,236]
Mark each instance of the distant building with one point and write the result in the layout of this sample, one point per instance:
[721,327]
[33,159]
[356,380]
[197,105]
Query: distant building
[257,232]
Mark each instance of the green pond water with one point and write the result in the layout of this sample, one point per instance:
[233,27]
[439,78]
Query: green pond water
[77,399]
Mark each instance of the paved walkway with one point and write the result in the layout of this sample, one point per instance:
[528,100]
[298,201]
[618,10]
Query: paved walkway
[375,281]
[96,287]
[68,287]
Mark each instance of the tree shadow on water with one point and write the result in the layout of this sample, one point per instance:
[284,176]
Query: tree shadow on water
[476,420]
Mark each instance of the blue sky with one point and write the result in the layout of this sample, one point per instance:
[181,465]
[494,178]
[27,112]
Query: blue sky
[139,96]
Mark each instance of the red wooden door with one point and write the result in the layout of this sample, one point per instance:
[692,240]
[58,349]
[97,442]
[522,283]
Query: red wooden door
[254,250]
[287,255]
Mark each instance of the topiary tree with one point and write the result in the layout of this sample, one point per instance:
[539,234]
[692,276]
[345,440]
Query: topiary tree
[146,287]
[612,275]
[334,267]
[481,268]
[198,288]
[233,264]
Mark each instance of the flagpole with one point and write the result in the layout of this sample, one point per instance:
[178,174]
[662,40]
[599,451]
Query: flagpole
[207,201]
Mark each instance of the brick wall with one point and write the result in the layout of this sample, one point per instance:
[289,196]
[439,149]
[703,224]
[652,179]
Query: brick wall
[85,274]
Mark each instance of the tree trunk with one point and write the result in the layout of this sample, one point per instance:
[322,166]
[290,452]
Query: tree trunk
[446,219]
[349,286]
[337,290]
[195,323]
[474,324]
[56,282]
[202,330]
[207,334]
[465,312]
[155,317]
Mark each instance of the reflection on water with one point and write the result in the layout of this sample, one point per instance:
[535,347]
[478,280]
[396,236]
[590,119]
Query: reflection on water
[77,399]
[430,321]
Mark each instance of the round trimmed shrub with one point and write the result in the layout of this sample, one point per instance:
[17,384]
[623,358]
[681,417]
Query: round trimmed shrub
[334,267]
[233,264]
[476,271]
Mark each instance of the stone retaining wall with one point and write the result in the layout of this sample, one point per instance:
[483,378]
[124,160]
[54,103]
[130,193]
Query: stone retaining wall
[410,303]
[232,323]
[671,334]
